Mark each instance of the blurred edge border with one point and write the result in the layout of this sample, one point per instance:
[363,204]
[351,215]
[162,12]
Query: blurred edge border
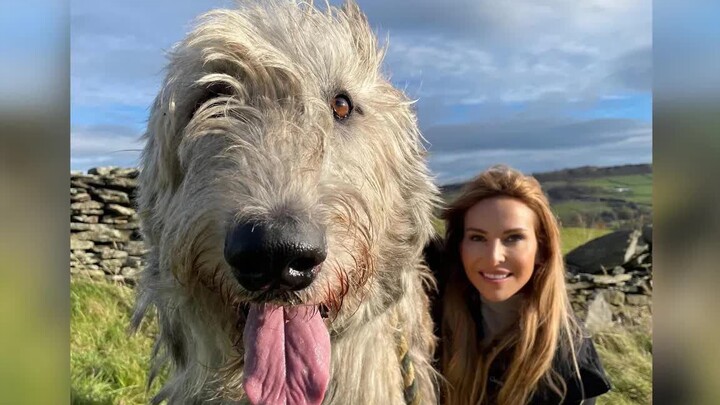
[34,180]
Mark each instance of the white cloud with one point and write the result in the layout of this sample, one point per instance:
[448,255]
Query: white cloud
[460,166]
[96,140]
[525,51]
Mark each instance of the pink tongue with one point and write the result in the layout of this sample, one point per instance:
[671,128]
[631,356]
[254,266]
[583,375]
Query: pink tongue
[287,355]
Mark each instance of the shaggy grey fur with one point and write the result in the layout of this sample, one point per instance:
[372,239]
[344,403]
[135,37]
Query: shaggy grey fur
[242,130]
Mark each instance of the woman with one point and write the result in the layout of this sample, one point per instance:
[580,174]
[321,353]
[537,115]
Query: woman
[508,333]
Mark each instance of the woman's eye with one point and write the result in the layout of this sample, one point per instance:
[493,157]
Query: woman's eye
[477,238]
[515,238]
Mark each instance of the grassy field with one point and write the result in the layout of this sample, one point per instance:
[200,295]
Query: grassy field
[574,237]
[626,355]
[109,367]
[636,188]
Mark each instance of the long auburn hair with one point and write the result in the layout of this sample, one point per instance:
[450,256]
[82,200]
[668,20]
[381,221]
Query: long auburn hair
[546,322]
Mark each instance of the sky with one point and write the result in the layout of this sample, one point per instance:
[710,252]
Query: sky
[537,85]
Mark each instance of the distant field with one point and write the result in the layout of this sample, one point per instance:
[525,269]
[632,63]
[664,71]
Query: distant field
[636,188]
[571,237]
[589,199]
[574,237]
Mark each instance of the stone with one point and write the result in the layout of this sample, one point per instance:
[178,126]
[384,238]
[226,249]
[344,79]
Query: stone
[605,252]
[101,171]
[85,181]
[647,233]
[579,298]
[617,270]
[120,210]
[86,205]
[83,257]
[599,314]
[80,244]
[80,197]
[126,184]
[637,300]
[79,226]
[607,280]
[112,266]
[114,220]
[129,172]
[632,246]
[614,297]
[581,285]
[111,196]
[135,248]
[630,289]
[89,212]
[134,261]
[109,253]
[102,233]
[129,225]
[115,278]
[85,218]
[129,272]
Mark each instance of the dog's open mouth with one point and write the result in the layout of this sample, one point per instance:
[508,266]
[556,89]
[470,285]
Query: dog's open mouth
[287,354]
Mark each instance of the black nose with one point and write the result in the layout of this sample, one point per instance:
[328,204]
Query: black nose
[281,255]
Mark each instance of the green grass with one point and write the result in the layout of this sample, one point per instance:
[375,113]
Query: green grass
[107,366]
[639,187]
[570,237]
[574,237]
[568,210]
[626,355]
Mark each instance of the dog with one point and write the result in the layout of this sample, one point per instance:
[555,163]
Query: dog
[285,201]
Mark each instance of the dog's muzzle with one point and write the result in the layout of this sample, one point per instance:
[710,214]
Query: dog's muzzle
[281,255]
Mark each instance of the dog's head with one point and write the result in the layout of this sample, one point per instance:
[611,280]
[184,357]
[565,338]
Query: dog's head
[282,167]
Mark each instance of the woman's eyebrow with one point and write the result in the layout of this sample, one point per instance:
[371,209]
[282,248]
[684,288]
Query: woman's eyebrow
[479,230]
[518,229]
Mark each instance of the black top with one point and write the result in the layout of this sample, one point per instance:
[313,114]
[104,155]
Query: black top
[594,381]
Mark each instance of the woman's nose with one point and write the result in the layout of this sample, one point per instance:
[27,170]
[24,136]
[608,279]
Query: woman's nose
[495,252]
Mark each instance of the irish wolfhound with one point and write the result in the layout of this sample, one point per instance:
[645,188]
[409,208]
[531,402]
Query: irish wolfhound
[285,202]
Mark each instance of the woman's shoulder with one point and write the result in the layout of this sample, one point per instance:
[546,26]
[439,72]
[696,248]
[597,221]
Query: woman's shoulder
[592,381]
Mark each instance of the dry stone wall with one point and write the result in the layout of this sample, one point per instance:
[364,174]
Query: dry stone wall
[105,242]
[609,279]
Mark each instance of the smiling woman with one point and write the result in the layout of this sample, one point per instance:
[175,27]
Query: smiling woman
[499,247]
[507,328]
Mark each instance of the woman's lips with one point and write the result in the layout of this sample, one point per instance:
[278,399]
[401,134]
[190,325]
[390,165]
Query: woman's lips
[495,277]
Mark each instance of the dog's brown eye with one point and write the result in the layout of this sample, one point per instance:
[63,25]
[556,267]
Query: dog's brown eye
[341,106]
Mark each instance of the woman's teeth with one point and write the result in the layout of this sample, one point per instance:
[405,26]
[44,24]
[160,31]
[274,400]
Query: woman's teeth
[496,276]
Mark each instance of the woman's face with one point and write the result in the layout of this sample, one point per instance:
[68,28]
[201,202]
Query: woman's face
[499,247]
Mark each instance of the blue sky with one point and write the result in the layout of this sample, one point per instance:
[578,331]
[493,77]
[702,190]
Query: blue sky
[541,87]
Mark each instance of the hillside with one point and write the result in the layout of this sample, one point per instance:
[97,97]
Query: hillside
[598,197]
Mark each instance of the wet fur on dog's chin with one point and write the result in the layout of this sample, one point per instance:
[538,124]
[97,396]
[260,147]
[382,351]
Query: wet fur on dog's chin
[242,130]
